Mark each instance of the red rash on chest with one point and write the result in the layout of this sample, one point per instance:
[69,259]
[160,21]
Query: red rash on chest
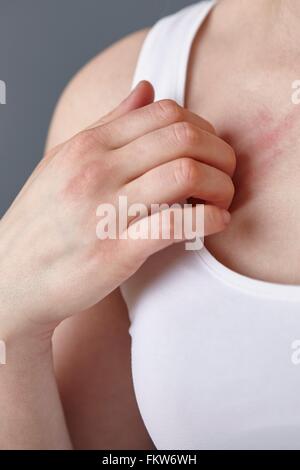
[266,141]
[271,132]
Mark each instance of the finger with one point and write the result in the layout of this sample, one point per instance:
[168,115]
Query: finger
[162,229]
[179,180]
[141,95]
[130,126]
[169,143]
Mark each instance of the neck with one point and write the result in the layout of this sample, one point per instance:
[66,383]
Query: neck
[275,22]
[285,15]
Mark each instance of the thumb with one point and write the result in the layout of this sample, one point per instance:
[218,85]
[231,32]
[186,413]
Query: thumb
[141,95]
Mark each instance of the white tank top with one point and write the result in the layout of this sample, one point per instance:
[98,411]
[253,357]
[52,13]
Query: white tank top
[215,354]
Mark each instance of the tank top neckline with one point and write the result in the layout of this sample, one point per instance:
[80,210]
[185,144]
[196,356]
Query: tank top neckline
[173,58]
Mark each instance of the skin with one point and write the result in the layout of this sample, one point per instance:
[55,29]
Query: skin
[254,84]
[96,397]
[61,268]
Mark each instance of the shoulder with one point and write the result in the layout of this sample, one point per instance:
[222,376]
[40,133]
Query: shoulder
[97,88]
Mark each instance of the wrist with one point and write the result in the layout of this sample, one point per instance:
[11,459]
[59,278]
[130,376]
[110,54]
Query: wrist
[17,333]
[22,356]
[17,321]
[24,352]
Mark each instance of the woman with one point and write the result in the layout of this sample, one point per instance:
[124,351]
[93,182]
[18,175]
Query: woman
[212,331]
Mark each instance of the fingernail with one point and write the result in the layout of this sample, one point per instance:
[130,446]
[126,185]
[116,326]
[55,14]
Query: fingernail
[226,217]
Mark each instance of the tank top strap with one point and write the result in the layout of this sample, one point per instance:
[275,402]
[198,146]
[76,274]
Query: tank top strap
[164,56]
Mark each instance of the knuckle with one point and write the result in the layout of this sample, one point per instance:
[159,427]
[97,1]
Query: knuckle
[186,173]
[80,145]
[102,135]
[168,110]
[85,140]
[185,133]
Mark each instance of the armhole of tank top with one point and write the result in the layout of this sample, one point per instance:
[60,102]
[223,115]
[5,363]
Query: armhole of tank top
[165,53]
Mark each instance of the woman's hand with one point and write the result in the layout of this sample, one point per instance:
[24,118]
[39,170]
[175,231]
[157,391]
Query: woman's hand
[52,263]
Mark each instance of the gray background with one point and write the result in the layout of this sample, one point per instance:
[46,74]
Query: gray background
[42,44]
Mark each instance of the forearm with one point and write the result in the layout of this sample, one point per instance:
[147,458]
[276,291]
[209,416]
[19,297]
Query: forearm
[31,413]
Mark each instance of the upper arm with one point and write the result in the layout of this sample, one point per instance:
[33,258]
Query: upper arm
[92,349]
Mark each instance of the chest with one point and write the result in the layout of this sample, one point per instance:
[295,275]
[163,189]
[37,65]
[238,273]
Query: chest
[257,116]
